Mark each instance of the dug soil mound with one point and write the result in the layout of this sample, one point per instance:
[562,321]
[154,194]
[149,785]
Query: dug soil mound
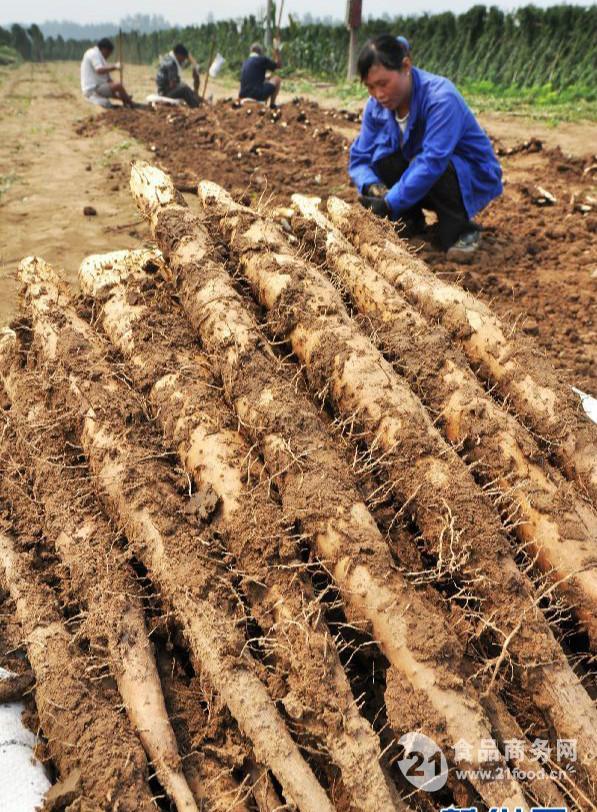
[538,262]
[250,149]
[538,266]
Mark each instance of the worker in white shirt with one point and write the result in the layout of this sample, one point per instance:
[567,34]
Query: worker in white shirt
[96,83]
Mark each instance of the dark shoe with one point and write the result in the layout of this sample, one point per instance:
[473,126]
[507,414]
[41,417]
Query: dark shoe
[465,247]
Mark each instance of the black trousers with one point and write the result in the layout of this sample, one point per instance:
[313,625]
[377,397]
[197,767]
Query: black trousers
[186,93]
[444,198]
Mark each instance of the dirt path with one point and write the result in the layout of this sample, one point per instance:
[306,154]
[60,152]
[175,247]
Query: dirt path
[48,175]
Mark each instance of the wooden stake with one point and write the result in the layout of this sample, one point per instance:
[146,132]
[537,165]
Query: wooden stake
[279,20]
[268,26]
[121,69]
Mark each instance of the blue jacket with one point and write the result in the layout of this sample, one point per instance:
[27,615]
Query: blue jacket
[440,128]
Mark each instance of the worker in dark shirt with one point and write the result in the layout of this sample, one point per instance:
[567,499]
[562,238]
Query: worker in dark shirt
[169,76]
[253,84]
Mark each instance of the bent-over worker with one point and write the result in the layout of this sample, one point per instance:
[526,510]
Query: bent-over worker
[169,76]
[420,146]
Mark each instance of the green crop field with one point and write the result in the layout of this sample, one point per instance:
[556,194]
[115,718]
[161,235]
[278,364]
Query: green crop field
[538,61]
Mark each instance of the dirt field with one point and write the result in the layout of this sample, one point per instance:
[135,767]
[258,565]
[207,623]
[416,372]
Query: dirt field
[275,491]
[538,265]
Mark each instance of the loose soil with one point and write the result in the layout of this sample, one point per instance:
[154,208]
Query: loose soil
[538,264]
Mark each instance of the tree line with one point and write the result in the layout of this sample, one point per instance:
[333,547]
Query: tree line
[526,47]
[143,23]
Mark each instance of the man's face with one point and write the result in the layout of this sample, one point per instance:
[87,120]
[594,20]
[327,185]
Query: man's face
[389,87]
[106,52]
[181,59]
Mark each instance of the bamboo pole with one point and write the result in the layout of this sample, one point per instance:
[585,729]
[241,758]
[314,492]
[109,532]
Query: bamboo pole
[121,68]
[211,56]
[278,24]
[268,26]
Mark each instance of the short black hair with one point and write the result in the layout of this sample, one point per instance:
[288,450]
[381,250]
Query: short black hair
[106,43]
[381,50]
[181,50]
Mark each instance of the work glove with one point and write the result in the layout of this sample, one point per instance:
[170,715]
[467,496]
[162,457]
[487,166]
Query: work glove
[376,204]
[375,190]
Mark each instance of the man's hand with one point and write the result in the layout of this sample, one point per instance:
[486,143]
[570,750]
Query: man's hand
[376,204]
[375,190]
[116,66]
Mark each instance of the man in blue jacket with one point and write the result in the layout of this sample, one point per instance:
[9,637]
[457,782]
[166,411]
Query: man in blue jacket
[420,146]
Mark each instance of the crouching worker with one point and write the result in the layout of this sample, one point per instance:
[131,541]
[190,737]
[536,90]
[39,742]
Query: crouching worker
[169,76]
[420,146]
[253,84]
[96,82]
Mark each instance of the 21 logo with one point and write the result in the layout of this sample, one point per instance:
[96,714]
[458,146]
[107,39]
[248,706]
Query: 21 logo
[423,764]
